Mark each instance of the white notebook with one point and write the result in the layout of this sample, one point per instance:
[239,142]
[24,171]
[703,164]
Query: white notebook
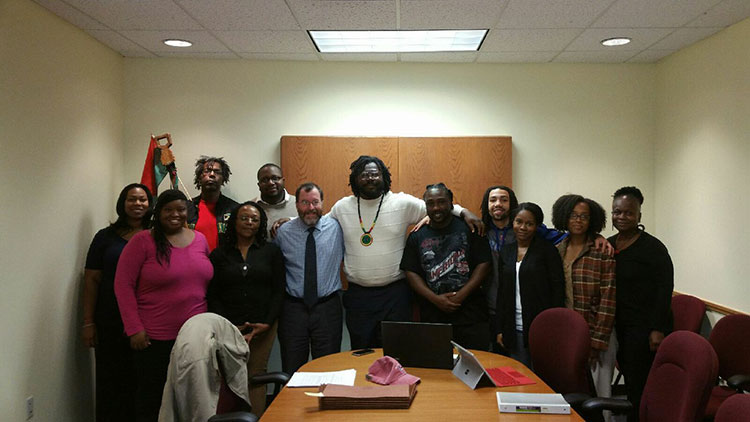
[532,403]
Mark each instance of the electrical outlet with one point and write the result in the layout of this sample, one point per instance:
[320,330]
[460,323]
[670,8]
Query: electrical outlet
[29,407]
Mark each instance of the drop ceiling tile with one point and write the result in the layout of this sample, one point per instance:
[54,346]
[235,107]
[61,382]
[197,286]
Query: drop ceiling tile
[650,56]
[267,41]
[726,13]
[650,13]
[137,54]
[619,56]
[344,14]
[280,57]
[551,14]
[442,57]
[683,37]
[450,14]
[203,42]
[137,14]
[528,39]
[240,15]
[71,14]
[210,56]
[590,39]
[118,43]
[517,57]
[366,57]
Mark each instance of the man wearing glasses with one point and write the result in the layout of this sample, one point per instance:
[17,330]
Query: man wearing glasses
[210,210]
[311,319]
[274,199]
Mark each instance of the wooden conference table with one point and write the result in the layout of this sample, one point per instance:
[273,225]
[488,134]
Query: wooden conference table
[440,396]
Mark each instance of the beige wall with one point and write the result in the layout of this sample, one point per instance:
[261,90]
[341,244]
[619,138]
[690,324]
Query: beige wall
[75,119]
[583,128]
[61,127]
[703,165]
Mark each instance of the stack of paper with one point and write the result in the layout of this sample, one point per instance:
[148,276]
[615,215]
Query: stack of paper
[316,379]
[333,396]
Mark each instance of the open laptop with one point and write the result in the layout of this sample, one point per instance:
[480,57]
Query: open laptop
[418,344]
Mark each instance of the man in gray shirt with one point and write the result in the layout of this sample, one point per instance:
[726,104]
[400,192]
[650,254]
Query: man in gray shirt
[274,199]
[311,319]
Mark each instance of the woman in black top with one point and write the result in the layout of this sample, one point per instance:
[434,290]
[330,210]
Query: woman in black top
[537,285]
[645,279]
[102,325]
[248,287]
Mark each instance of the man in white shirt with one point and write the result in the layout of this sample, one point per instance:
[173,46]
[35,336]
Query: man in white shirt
[374,222]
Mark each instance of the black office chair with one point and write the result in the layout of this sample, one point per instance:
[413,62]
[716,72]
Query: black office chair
[233,409]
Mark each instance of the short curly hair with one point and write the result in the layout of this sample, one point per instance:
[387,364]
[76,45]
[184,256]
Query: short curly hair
[629,191]
[202,160]
[563,208]
[358,166]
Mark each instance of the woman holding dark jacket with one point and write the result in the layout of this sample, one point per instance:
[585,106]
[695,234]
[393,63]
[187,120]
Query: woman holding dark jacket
[248,287]
[531,281]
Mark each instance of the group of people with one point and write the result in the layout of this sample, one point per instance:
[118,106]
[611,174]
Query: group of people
[272,265]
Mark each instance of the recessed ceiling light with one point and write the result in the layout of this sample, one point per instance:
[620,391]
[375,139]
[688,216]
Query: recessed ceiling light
[178,43]
[614,42]
[397,41]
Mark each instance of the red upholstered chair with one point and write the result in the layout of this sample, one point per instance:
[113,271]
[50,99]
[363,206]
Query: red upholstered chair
[559,345]
[688,312]
[679,382]
[734,409]
[730,338]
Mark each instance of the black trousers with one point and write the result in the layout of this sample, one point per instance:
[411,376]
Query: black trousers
[315,331]
[634,358]
[366,307]
[472,336]
[151,366]
[115,376]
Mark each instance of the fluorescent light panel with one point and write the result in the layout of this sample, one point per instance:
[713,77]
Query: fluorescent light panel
[397,41]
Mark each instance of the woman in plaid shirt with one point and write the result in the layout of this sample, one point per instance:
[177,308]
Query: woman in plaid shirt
[589,280]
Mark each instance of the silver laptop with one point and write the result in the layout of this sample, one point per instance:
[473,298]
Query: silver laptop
[418,344]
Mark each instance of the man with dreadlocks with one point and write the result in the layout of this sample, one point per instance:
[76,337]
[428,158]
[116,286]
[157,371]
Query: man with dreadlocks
[210,210]
[374,221]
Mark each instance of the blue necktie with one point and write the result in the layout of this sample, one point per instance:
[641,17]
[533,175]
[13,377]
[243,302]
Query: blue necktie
[311,270]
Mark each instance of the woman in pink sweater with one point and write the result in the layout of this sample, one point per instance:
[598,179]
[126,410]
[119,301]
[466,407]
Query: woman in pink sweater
[161,281]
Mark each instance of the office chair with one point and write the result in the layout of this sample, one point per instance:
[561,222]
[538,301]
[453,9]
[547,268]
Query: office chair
[229,402]
[679,383]
[735,408]
[209,355]
[688,312]
[560,344]
[731,342]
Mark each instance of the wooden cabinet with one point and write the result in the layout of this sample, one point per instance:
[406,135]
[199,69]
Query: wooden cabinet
[467,165]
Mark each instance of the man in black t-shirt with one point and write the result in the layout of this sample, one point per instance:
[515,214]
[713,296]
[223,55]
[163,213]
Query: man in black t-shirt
[445,263]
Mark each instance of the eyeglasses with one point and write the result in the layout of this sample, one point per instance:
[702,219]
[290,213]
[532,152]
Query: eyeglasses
[370,175]
[274,179]
[580,217]
[306,203]
[211,170]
